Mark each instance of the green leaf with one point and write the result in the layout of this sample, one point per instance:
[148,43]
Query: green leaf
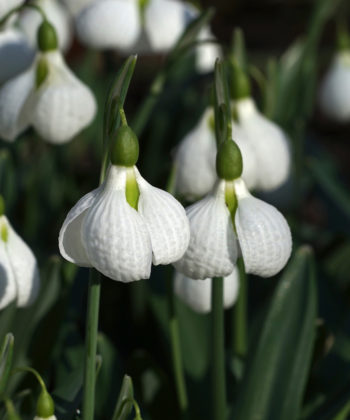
[6,355]
[223,128]
[277,369]
[343,413]
[238,48]
[124,407]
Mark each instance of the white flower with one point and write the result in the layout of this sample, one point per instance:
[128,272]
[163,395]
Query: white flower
[206,54]
[58,109]
[7,5]
[19,275]
[197,293]
[195,172]
[29,21]
[335,89]
[103,231]
[15,53]
[46,418]
[76,6]
[267,141]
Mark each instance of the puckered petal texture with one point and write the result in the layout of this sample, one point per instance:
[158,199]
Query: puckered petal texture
[16,55]
[109,24]
[8,5]
[24,267]
[13,95]
[166,222]
[63,105]
[115,236]
[335,89]
[197,293]
[195,160]
[270,144]
[263,233]
[70,239]
[165,20]
[212,251]
[8,288]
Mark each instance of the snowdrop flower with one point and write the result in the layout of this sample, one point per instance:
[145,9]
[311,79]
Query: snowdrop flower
[206,54]
[197,293]
[29,21]
[7,5]
[76,6]
[335,89]
[262,232]
[47,96]
[126,224]
[19,274]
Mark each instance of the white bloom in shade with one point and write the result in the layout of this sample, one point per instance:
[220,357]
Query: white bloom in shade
[263,233]
[207,53]
[195,172]
[19,275]
[7,5]
[58,109]
[268,142]
[212,251]
[16,54]
[103,231]
[197,293]
[335,89]
[29,21]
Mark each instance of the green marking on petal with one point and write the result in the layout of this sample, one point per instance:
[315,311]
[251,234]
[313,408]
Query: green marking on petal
[2,205]
[231,201]
[4,234]
[42,70]
[211,122]
[132,192]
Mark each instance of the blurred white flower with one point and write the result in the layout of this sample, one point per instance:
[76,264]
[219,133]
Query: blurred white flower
[76,6]
[19,274]
[45,418]
[207,53]
[103,231]
[197,293]
[335,89]
[58,109]
[29,21]
[7,5]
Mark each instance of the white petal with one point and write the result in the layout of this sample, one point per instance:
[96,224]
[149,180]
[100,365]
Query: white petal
[7,5]
[166,222]
[195,160]
[13,95]
[76,6]
[212,251]
[263,233]
[24,267]
[197,293]
[70,240]
[29,21]
[63,104]
[15,54]
[8,288]
[335,89]
[115,236]
[109,24]
[270,144]
[165,20]
[206,54]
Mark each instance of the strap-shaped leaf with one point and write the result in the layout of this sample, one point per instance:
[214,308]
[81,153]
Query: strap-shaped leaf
[277,369]
[124,404]
[222,103]
[6,355]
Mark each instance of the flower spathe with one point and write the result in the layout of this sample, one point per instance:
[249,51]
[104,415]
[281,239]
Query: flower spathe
[19,274]
[335,89]
[197,293]
[58,109]
[103,231]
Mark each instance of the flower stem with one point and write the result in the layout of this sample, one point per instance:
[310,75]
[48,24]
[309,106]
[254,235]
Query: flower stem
[176,350]
[91,344]
[218,351]
[240,314]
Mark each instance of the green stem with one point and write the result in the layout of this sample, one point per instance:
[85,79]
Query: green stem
[218,351]
[34,372]
[240,314]
[91,344]
[176,350]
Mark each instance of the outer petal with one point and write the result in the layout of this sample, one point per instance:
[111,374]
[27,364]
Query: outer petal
[70,240]
[24,267]
[212,251]
[270,144]
[166,222]
[7,5]
[76,6]
[263,233]
[8,289]
[109,24]
[165,20]
[63,105]
[16,54]
[335,89]
[115,236]
[207,54]
[13,96]
[195,160]
[197,293]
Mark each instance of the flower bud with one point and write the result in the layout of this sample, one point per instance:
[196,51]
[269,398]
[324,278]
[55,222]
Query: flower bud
[47,37]
[229,164]
[240,86]
[45,407]
[125,149]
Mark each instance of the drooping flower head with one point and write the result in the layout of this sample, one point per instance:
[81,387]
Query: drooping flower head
[126,224]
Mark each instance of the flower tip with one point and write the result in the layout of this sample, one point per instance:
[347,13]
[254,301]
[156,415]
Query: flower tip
[125,148]
[47,37]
